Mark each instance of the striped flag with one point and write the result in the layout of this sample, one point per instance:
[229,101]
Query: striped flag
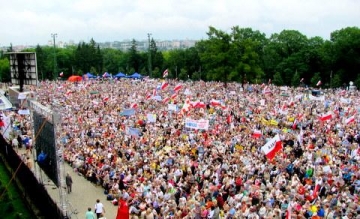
[177,87]
[256,133]
[165,73]
[164,85]
[319,83]
[133,105]
[272,147]
[326,116]
[349,120]
[61,74]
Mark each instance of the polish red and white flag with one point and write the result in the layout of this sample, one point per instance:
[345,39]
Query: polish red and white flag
[167,99]
[256,133]
[174,96]
[177,87]
[349,120]
[319,83]
[165,73]
[215,102]
[326,117]
[272,147]
[133,105]
[164,85]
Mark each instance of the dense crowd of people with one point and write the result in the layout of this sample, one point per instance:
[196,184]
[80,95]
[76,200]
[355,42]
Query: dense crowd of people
[174,149]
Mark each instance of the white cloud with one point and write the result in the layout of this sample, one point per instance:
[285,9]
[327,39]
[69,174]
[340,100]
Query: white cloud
[32,21]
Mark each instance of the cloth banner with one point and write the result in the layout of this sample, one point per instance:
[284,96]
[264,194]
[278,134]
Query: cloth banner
[151,117]
[321,98]
[172,107]
[202,124]
[132,131]
[127,112]
[24,112]
[22,96]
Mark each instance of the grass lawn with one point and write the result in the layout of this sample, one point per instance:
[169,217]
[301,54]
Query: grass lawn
[12,205]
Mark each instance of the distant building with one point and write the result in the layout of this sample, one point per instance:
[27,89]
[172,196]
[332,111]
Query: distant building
[142,45]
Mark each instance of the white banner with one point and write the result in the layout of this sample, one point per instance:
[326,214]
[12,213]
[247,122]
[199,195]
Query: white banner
[24,112]
[202,124]
[321,98]
[172,107]
[151,117]
[22,96]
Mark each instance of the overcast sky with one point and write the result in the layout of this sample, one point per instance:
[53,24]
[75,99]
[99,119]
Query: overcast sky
[31,22]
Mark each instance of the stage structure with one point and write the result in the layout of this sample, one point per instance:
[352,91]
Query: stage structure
[23,68]
[46,122]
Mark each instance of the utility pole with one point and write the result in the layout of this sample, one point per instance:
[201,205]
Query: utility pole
[54,35]
[176,71]
[149,56]
[200,72]
[331,79]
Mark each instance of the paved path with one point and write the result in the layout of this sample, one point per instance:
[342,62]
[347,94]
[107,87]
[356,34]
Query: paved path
[84,194]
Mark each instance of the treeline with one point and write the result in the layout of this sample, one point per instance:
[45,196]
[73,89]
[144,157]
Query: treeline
[242,55]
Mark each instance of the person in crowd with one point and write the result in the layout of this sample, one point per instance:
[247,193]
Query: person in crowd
[199,149]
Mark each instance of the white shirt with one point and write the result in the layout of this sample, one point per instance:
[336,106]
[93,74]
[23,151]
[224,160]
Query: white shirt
[99,207]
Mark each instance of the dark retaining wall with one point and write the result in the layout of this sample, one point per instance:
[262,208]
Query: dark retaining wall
[32,190]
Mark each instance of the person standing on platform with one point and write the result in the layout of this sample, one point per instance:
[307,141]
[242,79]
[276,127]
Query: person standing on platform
[89,214]
[123,209]
[69,182]
[99,208]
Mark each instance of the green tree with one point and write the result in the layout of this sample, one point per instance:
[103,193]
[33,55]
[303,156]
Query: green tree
[183,74]
[40,57]
[215,55]
[336,80]
[345,48]
[315,79]
[295,81]
[88,55]
[4,70]
[133,58]
[278,79]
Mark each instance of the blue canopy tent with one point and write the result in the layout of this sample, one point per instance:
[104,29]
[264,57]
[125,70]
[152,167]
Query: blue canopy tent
[135,75]
[106,75]
[89,75]
[120,75]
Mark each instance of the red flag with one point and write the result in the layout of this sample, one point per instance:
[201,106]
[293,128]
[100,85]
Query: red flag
[228,119]
[106,99]
[148,95]
[167,99]
[165,73]
[215,103]
[256,133]
[174,96]
[164,85]
[133,105]
[349,120]
[288,211]
[294,125]
[326,117]
[177,87]
[272,147]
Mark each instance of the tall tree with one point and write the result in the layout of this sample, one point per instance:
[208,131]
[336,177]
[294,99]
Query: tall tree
[133,58]
[216,56]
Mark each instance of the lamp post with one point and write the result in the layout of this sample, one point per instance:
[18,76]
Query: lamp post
[149,61]
[54,35]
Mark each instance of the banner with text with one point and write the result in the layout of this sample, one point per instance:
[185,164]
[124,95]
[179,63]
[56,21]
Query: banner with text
[202,124]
